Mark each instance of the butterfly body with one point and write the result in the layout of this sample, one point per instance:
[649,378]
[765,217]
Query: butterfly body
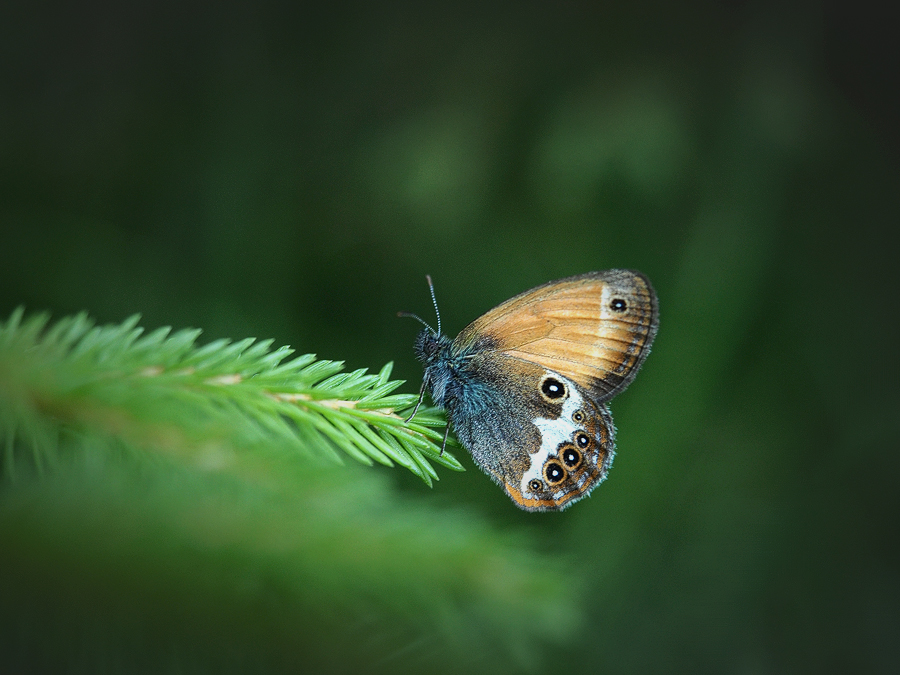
[525,386]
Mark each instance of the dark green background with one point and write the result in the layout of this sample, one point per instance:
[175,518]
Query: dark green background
[293,171]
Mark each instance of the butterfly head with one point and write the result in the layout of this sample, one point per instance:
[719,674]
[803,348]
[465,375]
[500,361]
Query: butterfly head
[430,346]
[434,350]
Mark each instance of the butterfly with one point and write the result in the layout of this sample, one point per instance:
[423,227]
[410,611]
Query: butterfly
[526,387]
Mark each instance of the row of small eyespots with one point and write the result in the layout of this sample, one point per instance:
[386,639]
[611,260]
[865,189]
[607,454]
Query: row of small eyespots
[555,391]
[570,458]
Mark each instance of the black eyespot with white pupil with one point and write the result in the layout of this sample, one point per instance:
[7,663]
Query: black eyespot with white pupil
[554,473]
[535,485]
[552,388]
[618,305]
[571,457]
[578,417]
[582,439]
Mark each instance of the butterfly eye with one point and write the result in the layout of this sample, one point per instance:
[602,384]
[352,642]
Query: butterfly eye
[554,473]
[618,305]
[570,457]
[578,417]
[536,485]
[552,389]
[582,439]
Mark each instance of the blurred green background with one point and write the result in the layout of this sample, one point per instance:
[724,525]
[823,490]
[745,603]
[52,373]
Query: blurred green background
[293,171]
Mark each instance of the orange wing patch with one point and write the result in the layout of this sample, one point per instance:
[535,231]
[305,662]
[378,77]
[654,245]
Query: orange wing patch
[547,504]
[594,329]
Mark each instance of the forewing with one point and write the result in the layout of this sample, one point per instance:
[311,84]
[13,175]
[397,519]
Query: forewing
[595,329]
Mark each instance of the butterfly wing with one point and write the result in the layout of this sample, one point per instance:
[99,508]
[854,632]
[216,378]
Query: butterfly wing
[572,459]
[533,377]
[535,432]
[595,329]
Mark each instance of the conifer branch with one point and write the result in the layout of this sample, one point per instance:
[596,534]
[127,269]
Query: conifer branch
[161,392]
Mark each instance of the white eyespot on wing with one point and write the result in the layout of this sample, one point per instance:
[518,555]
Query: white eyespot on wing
[553,433]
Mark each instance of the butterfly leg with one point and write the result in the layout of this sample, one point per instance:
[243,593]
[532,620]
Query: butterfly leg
[419,402]
[444,444]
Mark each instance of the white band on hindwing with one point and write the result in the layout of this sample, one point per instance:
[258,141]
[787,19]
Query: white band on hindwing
[553,433]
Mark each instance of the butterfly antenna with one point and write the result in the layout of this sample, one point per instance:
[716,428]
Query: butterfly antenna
[417,318]
[434,302]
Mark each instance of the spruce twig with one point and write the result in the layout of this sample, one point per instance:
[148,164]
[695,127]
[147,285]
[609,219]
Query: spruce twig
[160,391]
